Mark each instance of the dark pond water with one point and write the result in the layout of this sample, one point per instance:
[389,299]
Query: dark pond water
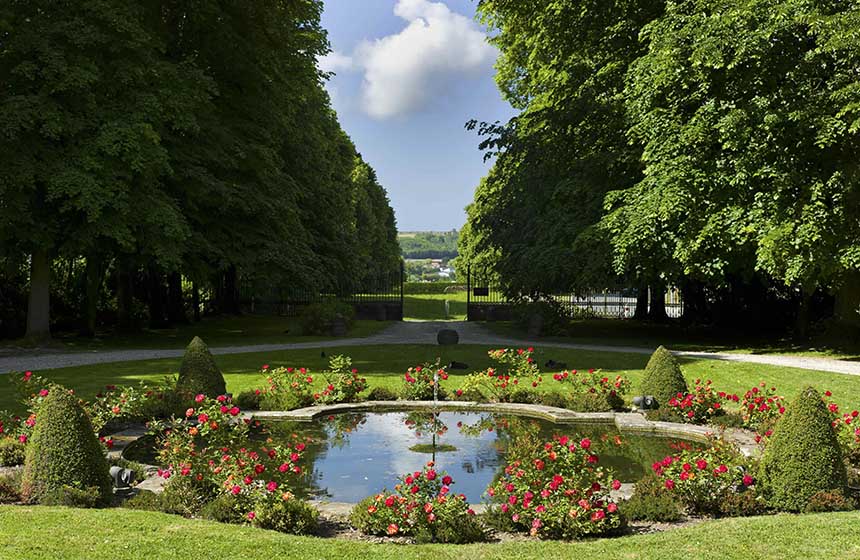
[353,456]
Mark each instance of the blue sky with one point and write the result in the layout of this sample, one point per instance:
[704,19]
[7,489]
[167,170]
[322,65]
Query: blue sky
[408,75]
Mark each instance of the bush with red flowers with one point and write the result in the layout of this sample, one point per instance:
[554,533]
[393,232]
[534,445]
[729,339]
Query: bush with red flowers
[343,384]
[209,446]
[704,478]
[518,370]
[696,407]
[592,391]
[761,407]
[557,490]
[286,388]
[422,506]
[419,382]
[847,427]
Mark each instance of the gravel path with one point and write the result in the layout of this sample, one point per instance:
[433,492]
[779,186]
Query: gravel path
[407,333]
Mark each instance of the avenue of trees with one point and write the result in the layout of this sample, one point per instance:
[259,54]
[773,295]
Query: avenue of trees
[710,145]
[151,151]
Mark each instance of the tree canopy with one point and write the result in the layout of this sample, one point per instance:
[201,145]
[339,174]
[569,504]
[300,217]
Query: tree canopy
[156,141]
[706,143]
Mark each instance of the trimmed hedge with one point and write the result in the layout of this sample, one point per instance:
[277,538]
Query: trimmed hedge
[64,452]
[663,378]
[803,457]
[199,374]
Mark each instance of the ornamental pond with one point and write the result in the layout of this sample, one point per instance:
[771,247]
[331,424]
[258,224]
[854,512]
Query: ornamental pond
[350,456]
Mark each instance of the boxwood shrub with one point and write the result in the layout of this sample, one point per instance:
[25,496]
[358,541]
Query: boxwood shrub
[663,378]
[199,374]
[803,456]
[64,452]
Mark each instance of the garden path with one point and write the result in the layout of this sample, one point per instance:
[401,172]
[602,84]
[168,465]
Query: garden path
[408,333]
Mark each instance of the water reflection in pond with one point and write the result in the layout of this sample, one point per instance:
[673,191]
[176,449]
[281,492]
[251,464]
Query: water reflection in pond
[351,456]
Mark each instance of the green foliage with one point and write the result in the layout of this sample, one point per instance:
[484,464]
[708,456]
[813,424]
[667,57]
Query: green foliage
[287,388]
[11,452]
[199,374]
[186,496]
[419,382]
[663,378]
[549,313]
[518,370]
[225,508]
[249,400]
[69,496]
[651,501]
[428,244]
[381,394]
[803,456]
[286,514]
[343,384]
[64,451]
[743,504]
[317,318]
[833,500]
[144,500]
[10,488]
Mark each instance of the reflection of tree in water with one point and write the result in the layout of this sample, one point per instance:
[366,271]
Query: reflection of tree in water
[425,423]
[318,436]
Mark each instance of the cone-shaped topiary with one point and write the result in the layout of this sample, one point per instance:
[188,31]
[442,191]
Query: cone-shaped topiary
[663,378]
[64,451]
[803,455]
[199,373]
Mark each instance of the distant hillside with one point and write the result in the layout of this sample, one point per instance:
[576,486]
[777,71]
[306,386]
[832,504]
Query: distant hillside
[428,244]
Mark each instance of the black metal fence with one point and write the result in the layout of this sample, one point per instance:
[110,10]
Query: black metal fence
[378,296]
[487,302]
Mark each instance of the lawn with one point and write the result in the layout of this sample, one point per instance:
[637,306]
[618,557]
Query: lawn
[617,332]
[42,532]
[216,331]
[385,365]
[431,307]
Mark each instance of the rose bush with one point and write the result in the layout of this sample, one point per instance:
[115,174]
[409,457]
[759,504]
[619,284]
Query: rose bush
[343,384]
[419,381]
[697,407]
[518,370]
[422,505]
[704,478]
[557,491]
[592,391]
[209,445]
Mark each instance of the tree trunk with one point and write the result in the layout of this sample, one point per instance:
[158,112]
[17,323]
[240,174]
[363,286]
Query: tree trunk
[694,301]
[195,299]
[175,302]
[641,312]
[39,304]
[657,309]
[93,286]
[157,297]
[231,291]
[124,297]
[848,300]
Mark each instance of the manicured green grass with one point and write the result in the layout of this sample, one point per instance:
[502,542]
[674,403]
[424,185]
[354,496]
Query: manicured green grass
[385,365]
[216,331]
[616,332]
[31,533]
[431,307]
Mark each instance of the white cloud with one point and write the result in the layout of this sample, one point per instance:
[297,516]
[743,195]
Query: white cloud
[405,71]
[334,61]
